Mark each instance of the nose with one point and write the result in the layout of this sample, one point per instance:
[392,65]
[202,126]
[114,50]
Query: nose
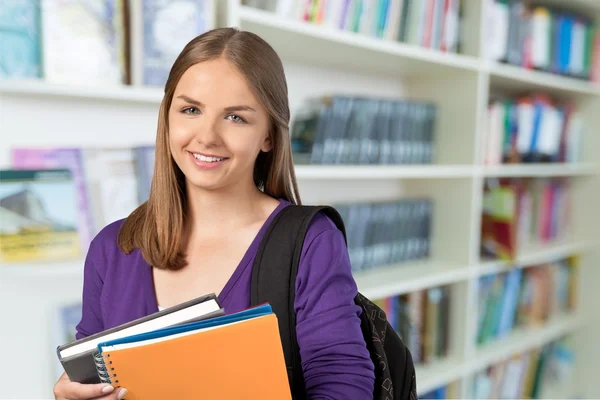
[208,132]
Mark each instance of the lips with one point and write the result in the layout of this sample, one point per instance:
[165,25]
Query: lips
[205,161]
[209,158]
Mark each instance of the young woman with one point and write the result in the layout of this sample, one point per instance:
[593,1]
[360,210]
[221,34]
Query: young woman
[223,171]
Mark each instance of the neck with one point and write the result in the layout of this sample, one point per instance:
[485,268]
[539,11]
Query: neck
[221,210]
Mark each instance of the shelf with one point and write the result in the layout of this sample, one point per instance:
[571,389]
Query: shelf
[541,170]
[329,47]
[539,255]
[408,277]
[582,6]
[382,171]
[42,269]
[438,374]
[101,93]
[522,80]
[522,340]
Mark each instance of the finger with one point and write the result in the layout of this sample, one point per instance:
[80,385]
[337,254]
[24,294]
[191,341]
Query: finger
[112,396]
[115,395]
[78,391]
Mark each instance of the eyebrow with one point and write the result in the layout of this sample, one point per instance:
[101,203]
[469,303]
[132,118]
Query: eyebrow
[227,109]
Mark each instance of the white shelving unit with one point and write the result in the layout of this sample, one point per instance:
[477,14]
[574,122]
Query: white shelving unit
[320,61]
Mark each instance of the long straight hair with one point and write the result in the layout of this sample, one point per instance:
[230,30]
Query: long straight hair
[156,227]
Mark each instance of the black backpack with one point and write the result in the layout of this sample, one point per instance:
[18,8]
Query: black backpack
[273,281]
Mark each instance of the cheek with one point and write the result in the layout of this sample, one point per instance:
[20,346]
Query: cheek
[180,134]
[244,143]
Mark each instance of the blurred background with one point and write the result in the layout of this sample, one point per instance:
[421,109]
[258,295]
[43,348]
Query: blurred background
[458,138]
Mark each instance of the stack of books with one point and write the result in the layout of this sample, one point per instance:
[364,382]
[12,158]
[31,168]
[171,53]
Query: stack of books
[193,350]
[524,213]
[107,184]
[103,42]
[543,38]
[381,234]
[360,130]
[422,319]
[533,128]
[523,298]
[526,375]
[434,24]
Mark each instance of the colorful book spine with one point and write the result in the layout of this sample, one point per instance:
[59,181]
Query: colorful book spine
[541,37]
[432,24]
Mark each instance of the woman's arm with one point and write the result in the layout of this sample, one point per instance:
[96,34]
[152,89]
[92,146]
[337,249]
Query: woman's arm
[335,359]
[91,313]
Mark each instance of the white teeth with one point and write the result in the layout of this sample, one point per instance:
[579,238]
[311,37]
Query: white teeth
[207,159]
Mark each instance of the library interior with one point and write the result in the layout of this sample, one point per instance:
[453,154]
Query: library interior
[407,116]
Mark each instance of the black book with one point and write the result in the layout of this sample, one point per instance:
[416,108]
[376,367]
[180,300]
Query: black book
[77,358]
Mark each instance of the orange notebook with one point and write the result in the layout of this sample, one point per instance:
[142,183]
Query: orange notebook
[237,356]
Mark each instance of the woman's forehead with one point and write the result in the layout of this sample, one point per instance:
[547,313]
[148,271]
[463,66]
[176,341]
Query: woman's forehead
[214,79]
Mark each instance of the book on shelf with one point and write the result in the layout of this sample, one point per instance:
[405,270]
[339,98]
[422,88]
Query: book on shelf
[528,375]
[522,213]
[160,29]
[39,217]
[21,39]
[100,42]
[67,158]
[77,357]
[533,129]
[432,24]
[422,319]
[84,42]
[535,36]
[112,181]
[358,130]
[385,233]
[106,179]
[523,298]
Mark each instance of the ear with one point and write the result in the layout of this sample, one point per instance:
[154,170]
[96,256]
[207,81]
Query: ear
[267,144]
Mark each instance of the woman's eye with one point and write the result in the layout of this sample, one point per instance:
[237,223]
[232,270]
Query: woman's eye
[191,111]
[236,118]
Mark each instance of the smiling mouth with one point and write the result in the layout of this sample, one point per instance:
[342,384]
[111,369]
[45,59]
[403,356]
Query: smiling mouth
[209,159]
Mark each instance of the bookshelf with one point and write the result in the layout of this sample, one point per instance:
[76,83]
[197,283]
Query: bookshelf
[541,170]
[333,48]
[127,94]
[383,172]
[513,77]
[322,61]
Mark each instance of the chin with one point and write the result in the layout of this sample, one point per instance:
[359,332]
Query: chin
[204,184]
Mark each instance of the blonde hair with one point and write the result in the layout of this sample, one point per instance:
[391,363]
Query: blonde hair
[156,226]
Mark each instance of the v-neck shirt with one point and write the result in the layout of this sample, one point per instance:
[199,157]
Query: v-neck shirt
[119,288]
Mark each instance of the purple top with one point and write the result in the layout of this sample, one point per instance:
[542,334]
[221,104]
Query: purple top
[118,288]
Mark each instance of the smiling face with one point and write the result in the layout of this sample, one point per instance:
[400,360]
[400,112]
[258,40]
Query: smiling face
[217,127]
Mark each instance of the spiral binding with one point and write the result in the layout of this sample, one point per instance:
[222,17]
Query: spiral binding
[105,373]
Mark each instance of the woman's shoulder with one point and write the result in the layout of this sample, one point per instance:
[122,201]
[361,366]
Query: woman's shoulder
[105,243]
[320,224]
[324,236]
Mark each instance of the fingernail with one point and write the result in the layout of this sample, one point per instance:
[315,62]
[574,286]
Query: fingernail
[122,394]
[107,389]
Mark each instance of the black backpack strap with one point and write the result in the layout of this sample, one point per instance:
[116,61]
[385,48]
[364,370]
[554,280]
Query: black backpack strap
[274,278]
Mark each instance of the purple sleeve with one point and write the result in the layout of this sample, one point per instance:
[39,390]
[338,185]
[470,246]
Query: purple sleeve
[335,359]
[91,314]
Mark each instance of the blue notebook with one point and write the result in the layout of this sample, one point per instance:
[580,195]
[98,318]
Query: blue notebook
[254,312]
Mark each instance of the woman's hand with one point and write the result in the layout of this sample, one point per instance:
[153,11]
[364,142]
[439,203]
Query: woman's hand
[64,389]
